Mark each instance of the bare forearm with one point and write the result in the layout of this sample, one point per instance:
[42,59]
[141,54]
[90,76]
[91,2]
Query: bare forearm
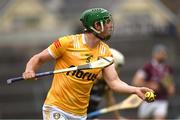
[114,82]
[33,64]
[37,60]
[122,87]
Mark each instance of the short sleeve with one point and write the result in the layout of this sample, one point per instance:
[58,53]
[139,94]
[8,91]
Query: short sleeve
[58,47]
[141,74]
[147,71]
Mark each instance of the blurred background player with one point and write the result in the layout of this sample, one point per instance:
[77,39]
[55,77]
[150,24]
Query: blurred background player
[157,75]
[100,89]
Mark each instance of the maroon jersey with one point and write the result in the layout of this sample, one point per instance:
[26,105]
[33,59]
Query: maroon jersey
[158,73]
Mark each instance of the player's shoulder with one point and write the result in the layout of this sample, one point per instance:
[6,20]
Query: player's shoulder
[104,50]
[148,65]
[67,37]
[70,38]
[103,44]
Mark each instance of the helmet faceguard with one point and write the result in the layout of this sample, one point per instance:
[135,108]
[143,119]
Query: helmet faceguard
[91,16]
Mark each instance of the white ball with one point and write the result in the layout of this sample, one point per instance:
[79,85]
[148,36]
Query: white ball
[118,57]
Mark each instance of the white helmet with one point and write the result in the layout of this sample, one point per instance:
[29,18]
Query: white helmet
[119,59]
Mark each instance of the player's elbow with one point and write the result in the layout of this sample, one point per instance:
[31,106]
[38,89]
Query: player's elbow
[171,90]
[40,58]
[138,82]
[35,60]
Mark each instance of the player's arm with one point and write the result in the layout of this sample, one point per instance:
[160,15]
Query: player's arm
[114,82]
[139,79]
[168,83]
[35,62]
[171,89]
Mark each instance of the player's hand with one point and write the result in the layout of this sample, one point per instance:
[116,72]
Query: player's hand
[140,91]
[29,75]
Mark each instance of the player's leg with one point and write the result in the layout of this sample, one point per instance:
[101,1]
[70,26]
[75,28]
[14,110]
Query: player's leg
[161,110]
[145,110]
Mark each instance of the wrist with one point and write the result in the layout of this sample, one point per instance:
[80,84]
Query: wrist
[29,71]
[133,90]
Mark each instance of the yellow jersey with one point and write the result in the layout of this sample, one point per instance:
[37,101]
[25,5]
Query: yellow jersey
[70,91]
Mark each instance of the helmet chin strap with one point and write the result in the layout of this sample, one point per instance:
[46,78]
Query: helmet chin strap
[102,28]
[103,38]
[96,32]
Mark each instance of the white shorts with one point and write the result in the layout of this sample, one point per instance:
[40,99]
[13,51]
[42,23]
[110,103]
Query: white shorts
[54,113]
[156,108]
